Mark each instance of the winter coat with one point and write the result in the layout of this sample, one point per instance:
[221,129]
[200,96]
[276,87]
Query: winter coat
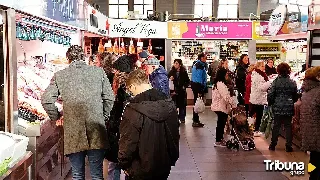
[221,99]
[159,80]
[310,116]
[199,73]
[259,88]
[269,71]
[248,89]
[87,101]
[282,96]
[181,81]
[149,136]
[114,119]
[241,73]
[212,70]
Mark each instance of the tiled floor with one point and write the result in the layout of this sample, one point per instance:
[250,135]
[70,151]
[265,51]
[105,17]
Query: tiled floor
[200,160]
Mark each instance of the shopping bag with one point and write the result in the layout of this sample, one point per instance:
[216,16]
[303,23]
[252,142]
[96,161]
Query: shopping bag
[266,122]
[171,85]
[199,107]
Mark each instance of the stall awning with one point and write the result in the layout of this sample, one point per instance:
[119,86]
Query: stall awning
[283,37]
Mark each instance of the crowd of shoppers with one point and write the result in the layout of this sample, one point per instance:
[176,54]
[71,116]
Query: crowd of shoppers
[110,111]
[124,111]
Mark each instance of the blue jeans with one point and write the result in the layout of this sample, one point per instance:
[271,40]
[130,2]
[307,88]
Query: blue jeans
[182,113]
[113,171]
[95,158]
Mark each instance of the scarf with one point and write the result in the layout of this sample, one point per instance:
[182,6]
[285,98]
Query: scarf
[263,74]
[118,80]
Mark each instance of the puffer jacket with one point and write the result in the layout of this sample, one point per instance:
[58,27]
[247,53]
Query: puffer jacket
[259,88]
[149,136]
[282,96]
[310,116]
[199,73]
[159,80]
[221,99]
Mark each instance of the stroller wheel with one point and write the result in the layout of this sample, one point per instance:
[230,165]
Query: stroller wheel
[229,144]
[236,145]
[251,145]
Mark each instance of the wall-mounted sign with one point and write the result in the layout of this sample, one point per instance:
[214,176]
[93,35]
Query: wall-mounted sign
[69,12]
[277,19]
[96,22]
[209,30]
[137,28]
[294,22]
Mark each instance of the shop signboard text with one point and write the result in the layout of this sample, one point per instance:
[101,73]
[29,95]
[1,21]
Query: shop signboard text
[209,30]
[137,28]
[277,19]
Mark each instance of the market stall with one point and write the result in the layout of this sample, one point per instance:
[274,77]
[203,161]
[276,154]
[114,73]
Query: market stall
[288,27]
[40,47]
[218,40]
[95,32]
[133,36]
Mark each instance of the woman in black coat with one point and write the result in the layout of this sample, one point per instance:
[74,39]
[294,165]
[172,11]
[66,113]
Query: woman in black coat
[241,73]
[180,78]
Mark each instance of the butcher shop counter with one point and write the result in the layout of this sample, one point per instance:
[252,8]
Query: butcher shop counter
[46,143]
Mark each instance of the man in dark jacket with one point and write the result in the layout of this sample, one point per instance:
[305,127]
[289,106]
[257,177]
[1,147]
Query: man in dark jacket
[149,132]
[87,100]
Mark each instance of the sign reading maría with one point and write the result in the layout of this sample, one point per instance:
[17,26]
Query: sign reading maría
[97,22]
[277,19]
[137,28]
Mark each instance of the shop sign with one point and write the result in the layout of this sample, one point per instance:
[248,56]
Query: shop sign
[96,22]
[314,16]
[210,30]
[294,22]
[137,28]
[69,12]
[277,19]
[259,30]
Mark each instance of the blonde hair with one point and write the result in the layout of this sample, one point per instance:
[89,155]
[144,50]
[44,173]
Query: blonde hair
[137,77]
[251,67]
[259,64]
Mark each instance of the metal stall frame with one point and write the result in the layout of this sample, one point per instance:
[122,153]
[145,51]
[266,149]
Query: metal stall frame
[10,71]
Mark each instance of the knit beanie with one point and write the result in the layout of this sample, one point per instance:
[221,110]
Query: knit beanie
[124,64]
[152,62]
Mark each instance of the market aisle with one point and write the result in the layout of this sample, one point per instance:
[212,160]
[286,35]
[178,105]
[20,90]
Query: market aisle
[200,160]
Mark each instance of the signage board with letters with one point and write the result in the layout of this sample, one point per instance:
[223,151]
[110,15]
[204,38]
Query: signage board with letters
[137,28]
[69,12]
[96,22]
[277,19]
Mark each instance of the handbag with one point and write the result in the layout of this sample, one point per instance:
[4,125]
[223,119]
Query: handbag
[199,107]
[171,85]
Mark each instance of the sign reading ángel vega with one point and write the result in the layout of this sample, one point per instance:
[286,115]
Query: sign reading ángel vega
[137,28]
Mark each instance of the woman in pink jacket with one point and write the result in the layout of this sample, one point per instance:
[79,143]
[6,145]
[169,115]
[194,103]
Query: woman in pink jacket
[222,103]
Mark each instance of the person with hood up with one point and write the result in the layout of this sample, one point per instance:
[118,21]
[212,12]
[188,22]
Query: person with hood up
[87,101]
[149,131]
[241,73]
[310,118]
[158,76]
[123,66]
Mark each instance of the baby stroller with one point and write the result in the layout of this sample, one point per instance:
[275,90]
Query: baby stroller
[241,132]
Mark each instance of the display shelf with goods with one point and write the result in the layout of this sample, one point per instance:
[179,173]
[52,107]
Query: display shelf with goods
[295,54]
[268,50]
[188,51]
[41,47]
